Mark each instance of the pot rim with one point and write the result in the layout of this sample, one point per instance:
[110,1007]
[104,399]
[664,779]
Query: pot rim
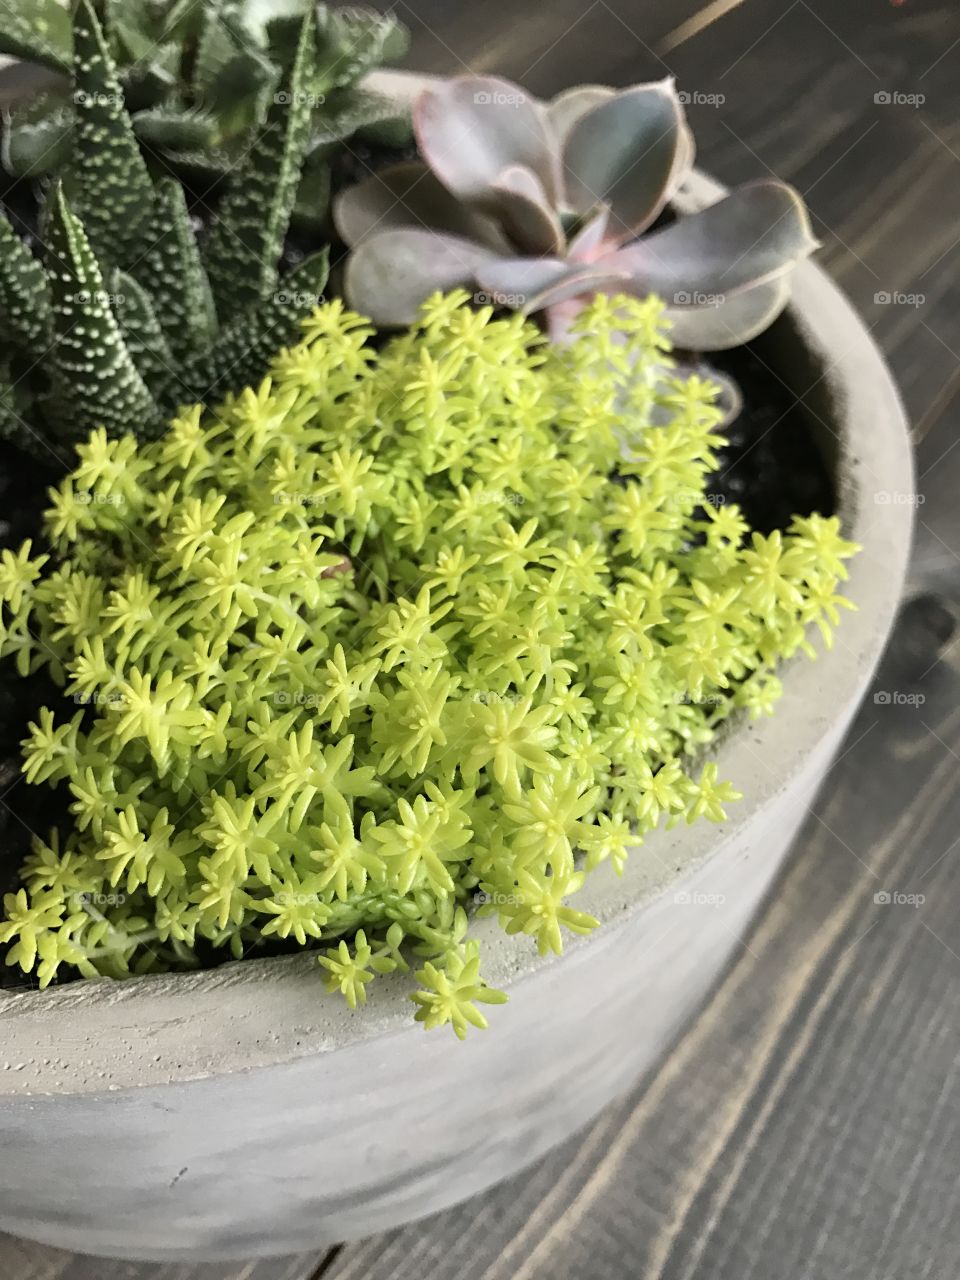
[100,1036]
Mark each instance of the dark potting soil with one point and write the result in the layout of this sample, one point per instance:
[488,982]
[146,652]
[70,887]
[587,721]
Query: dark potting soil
[771,465]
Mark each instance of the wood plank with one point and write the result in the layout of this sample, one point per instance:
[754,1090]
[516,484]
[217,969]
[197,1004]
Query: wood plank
[22,1260]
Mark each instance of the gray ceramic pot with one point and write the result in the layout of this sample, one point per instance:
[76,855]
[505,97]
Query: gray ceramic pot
[244,1112]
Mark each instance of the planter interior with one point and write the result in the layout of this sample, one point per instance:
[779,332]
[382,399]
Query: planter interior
[243,1111]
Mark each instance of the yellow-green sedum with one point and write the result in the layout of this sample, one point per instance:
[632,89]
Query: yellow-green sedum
[400,633]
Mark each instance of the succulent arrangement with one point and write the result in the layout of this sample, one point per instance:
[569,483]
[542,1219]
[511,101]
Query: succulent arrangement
[128,316]
[200,78]
[409,628]
[368,636]
[539,206]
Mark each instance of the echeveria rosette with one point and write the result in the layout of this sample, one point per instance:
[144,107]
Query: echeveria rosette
[540,206]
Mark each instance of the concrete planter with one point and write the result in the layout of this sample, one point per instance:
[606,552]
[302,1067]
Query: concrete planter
[244,1112]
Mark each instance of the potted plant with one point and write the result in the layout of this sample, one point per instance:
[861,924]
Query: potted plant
[433,647]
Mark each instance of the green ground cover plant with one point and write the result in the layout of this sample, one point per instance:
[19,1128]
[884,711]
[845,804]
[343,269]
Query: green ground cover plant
[405,634]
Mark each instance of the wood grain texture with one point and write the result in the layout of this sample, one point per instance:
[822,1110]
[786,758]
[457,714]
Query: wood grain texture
[806,1126]
[21,1260]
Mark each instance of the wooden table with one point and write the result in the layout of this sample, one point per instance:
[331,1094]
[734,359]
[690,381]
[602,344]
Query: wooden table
[807,1126]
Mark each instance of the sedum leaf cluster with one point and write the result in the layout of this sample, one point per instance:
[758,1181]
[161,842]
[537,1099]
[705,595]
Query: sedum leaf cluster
[402,636]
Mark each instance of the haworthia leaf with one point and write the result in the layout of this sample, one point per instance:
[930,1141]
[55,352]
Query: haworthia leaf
[109,185]
[15,415]
[173,128]
[142,333]
[200,169]
[246,241]
[243,351]
[259,15]
[180,21]
[215,46]
[150,82]
[347,110]
[38,31]
[94,379]
[238,94]
[311,212]
[173,276]
[351,42]
[24,295]
[36,140]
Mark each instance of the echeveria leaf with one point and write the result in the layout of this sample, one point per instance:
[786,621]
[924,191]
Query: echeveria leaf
[729,323]
[469,129]
[246,240]
[566,108]
[110,188]
[752,235]
[591,240]
[531,284]
[622,153]
[94,379]
[408,195]
[390,275]
[518,200]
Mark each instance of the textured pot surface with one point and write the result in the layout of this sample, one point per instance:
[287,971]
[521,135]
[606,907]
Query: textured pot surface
[245,1112]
